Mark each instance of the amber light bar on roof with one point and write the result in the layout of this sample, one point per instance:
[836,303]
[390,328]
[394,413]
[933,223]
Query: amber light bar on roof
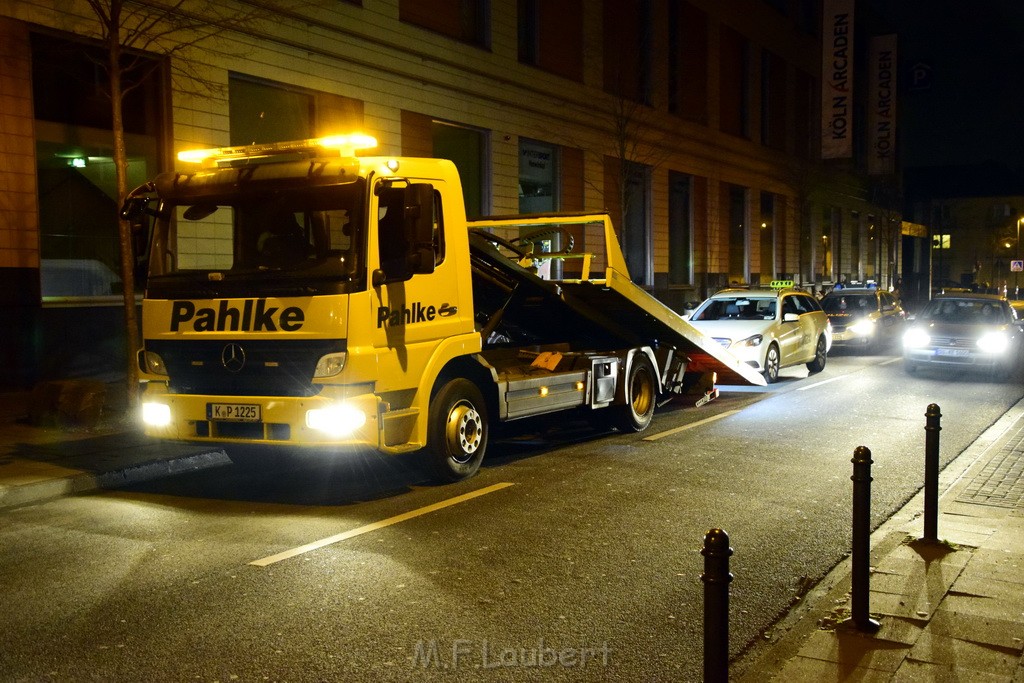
[345,145]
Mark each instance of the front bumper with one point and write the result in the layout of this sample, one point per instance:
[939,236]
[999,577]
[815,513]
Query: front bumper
[282,420]
[954,357]
[851,337]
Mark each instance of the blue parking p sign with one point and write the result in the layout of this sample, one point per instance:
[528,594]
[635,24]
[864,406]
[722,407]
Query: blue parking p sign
[1016,266]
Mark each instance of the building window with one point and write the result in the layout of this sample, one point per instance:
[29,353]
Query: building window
[79,243]
[268,112]
[737,213]
[688,62]
[680,228]
[551,36]
[773,101]
[464,20]
[467,149]
[627,198]
[627,49]
[538,193]
[265,111]
[734,101]
[767,234]
[804,107]
[538,173]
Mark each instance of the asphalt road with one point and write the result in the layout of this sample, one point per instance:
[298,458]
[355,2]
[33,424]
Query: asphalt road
[573,556]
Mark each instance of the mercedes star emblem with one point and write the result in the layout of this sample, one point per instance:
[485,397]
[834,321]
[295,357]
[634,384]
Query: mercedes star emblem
[232,357]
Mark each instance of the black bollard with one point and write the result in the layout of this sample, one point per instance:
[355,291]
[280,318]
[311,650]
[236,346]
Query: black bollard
[861,555]
[716,578]
[931,473]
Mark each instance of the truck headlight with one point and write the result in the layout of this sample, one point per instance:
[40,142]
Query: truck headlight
[330,365]
[152,363]
[994,342]
[156,414]
[337,420]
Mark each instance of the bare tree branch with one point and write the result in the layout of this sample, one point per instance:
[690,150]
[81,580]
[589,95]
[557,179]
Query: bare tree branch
[133,32]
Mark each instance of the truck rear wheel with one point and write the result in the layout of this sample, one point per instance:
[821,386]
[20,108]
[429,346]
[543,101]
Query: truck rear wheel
[457,430]
[641,396]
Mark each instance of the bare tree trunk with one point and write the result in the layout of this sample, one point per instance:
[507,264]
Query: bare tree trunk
[123,227]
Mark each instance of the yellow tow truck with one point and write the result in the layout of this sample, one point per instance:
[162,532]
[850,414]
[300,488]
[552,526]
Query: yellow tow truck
[301,295]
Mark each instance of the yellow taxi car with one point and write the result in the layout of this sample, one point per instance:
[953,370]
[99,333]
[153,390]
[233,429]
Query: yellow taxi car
[769,329]
[865,318]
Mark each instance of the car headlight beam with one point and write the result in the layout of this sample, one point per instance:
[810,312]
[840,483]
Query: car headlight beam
[916,338]
[994,342]
[863,328]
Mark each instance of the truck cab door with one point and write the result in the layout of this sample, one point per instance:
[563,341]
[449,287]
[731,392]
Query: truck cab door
[414,289]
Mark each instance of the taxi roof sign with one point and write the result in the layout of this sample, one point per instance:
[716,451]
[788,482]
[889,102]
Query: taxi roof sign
[781,284]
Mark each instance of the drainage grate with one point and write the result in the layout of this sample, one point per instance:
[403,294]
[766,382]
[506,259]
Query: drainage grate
[1001,481]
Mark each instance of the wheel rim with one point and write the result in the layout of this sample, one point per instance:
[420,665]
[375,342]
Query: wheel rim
[771,364]
[819,356]
[642,392]
[465,432]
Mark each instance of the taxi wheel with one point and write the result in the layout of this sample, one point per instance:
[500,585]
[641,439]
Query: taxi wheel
[820,354]
[771,364]
[641,397]
[457,430]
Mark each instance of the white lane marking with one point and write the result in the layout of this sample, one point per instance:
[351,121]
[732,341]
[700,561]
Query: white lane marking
[818,384]
[379,525]
[826,381]
[698,423]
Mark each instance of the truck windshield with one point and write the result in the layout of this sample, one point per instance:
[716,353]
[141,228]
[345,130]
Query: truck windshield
[312,235]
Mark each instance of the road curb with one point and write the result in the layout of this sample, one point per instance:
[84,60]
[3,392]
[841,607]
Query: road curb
[84,482]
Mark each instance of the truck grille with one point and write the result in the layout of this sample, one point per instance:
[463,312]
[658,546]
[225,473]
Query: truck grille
[244,368]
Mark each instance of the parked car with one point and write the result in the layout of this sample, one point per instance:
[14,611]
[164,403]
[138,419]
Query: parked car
[865,318]
[965,330]
[768,329]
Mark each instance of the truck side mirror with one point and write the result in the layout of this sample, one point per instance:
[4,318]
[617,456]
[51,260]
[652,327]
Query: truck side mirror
[419,227]
[405,232]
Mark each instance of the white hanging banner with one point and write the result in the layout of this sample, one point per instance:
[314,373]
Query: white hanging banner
[837,79]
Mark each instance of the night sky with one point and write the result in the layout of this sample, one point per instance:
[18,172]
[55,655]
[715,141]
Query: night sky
[970,109]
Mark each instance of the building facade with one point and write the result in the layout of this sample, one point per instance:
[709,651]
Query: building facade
[696,124]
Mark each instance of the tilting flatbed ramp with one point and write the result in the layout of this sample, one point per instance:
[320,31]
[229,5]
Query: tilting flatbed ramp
[617,305]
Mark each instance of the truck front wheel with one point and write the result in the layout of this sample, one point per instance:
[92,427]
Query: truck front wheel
[641,396]
[457,430]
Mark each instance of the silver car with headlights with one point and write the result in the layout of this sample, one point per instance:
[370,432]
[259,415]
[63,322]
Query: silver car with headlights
[964,330]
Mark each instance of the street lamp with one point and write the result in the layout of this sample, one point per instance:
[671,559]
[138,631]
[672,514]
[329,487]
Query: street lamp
[1016,257]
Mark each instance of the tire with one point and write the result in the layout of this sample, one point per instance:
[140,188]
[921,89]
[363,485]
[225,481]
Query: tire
[641,397]
[771,364]
[909,366]
[457,430]
[820,355]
